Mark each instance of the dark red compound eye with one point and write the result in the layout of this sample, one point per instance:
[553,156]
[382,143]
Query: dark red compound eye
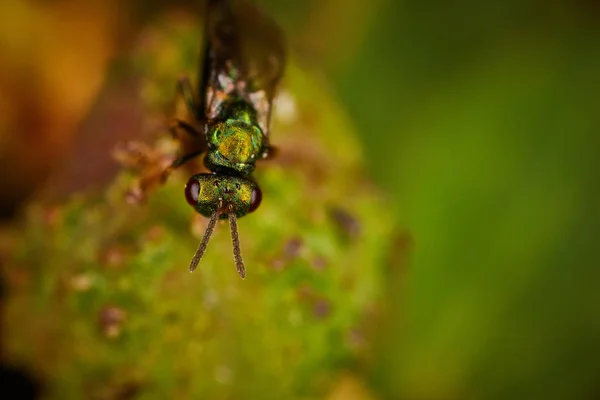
[192,189]
[255,199]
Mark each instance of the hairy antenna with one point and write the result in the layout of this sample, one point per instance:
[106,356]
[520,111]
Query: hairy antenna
[237,255]
[205,239]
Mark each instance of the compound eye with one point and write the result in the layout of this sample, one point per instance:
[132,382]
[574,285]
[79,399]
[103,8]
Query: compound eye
[255,199]
[192,190]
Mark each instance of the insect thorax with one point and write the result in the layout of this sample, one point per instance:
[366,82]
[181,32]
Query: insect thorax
[235,140]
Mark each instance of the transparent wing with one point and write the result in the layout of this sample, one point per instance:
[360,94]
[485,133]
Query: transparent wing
[244,54]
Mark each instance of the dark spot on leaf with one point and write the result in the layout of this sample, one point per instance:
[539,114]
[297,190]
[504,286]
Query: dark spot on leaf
[128,391]
[113,257]
[278,264]
[346,222]
[172,316]
[305,292]
[114,388]
[52,216]
[355,339]
[155,234]
[292,248]
[319,263]
[111,319]
[322,308]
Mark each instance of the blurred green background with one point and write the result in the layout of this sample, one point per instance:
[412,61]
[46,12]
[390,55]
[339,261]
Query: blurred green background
[480,121]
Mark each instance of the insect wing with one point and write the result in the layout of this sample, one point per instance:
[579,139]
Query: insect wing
[244,55]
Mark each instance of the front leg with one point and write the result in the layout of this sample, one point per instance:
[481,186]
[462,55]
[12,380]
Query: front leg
[154,175]
[178,163]
[178,124]
[154,167]
[184,89]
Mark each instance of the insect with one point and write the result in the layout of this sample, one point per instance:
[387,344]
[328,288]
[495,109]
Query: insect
[242,64]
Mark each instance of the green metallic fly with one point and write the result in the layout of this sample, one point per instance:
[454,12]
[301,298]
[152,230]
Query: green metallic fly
[242,64]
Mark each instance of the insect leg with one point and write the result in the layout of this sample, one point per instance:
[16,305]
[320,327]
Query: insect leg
[270,152]
[178,124]
[178,163]
[184,89]
[182,160]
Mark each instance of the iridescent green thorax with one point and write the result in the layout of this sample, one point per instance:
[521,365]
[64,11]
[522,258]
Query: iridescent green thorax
[235,140]
[232,193]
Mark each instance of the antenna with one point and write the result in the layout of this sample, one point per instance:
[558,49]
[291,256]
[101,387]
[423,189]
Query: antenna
[205,239]
[237,255]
